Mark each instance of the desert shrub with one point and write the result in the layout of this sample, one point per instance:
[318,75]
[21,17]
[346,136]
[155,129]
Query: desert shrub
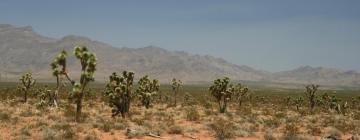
[106,126]
[269,136]
[137,132]
[120,126]
[291,129]
[295,137]
[28,112]
[223,128]
[192,114]
[333,133]
[175,129]
[272,123]
[91,136]
[4,116]
[50,134]
[68,134]
[314,130]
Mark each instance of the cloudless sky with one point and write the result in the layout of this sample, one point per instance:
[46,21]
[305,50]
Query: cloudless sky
[272,35]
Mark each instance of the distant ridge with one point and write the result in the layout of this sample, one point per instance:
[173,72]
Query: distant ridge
[22,49]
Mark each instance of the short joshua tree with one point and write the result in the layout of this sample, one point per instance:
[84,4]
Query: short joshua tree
[119,92]
[27,82]
[298,103]
[222,91]
[240,93]
[175,84]
[311,91]
[88,67]
[147,90]
[44,94]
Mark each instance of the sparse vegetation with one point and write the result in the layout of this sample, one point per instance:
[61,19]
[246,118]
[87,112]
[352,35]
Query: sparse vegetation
[238,114]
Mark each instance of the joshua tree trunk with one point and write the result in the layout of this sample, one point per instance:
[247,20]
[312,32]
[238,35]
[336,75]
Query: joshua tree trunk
[25,97]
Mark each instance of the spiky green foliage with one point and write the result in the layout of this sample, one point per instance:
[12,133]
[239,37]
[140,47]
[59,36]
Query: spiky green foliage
[27,82]
[88,67]
[222,91]
[240,93]
[298,102]
[119,92]
[310,93]
[58,67]
[147,90]
[176,84]
[44,94]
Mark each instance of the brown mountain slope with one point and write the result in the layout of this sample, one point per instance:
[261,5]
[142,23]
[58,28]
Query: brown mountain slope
[21,50]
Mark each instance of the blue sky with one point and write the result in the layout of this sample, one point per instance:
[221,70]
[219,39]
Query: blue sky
[271,35]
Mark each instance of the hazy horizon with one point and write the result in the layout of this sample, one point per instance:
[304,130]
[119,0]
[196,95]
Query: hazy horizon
[271,36]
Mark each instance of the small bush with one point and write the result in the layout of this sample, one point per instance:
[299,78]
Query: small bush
[269,136]
[223,128]
[4,116]
[137,132]
[175,130]
[192,114]
[333,133]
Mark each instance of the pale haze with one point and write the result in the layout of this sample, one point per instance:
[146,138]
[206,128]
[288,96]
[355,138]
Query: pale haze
[272,35]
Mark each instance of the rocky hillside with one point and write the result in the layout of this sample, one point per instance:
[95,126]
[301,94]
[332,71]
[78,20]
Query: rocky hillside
[22,50]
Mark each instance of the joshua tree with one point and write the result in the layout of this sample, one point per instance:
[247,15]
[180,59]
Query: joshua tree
[43,94]
[119,92]
[176,84]
[88,67]
[240,93]
[27,83]
[298,102]
[311,94]
[222,91]
[58,67]
[147,89]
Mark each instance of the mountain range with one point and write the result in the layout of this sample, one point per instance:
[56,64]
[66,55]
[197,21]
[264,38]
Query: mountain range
[23,50]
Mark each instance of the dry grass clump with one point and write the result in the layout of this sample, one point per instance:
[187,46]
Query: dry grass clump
[175,130]
[333,133]
[137,131]
[223,128]
[192,114]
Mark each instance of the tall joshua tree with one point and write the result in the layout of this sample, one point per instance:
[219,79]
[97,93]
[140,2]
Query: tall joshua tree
[175,84]
[311,91]
[88,67]
[147,89]
[27,82]
[58,67]
[119,92]
[222,91]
